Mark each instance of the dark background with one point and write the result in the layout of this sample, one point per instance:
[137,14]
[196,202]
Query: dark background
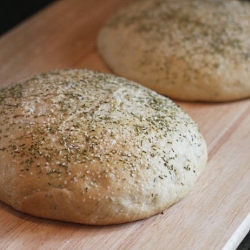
[13,12]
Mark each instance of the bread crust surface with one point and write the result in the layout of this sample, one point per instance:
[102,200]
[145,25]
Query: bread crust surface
[92,148]
[191,50]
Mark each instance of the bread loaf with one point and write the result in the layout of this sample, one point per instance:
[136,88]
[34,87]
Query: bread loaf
[192,50]
[92,148]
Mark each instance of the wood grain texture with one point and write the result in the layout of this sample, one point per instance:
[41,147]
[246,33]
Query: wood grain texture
[216,214]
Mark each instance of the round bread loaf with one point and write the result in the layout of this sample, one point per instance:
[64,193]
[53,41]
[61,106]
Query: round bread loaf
[93,148]
[191,50]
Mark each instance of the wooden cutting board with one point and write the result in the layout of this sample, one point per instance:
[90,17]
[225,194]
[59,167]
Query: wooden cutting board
[216,214]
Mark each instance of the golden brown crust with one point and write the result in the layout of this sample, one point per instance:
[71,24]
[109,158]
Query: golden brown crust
[188,50]
[87,147]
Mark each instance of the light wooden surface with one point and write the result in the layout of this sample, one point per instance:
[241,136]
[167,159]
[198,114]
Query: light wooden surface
[216,214]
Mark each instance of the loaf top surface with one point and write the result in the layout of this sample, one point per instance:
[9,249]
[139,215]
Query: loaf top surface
[88,147]
[192,50]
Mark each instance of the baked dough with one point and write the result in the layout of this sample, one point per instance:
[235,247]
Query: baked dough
[93,148]
[192,50]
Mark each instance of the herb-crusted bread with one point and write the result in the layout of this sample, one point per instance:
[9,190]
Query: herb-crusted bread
[187,49]
[93,148]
